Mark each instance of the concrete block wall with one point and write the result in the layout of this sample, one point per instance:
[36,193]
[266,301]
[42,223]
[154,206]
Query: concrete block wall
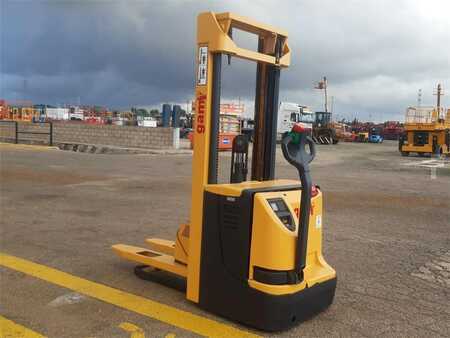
[121,136]
[7,131]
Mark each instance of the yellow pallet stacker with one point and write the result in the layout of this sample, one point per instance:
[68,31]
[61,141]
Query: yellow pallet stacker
[252,251]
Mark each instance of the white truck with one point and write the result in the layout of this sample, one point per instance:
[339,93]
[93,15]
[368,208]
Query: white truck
[290,113]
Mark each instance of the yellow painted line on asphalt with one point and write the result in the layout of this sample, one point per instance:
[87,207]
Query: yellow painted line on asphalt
[14,146]
[9,329]
[136,331]
[164,313]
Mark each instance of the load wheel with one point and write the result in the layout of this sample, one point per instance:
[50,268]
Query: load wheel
[405,153]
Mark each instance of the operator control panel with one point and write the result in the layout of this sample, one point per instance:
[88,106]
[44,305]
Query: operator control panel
[280,208]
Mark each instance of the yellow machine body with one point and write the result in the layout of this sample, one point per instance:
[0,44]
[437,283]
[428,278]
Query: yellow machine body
[269,232]
[236,253]
[431,136]
[272,245]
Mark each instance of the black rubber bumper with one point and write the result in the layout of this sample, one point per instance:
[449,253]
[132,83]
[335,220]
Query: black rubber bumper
[266,312]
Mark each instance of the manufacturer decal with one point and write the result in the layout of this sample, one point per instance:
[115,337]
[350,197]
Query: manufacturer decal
[297,210]
[200,112]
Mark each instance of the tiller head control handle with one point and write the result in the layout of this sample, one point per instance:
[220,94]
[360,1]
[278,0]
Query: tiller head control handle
[294,147]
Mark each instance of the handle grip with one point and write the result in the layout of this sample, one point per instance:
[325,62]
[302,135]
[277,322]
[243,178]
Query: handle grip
[297,155]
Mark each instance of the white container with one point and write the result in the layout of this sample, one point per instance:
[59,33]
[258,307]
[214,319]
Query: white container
[57,113]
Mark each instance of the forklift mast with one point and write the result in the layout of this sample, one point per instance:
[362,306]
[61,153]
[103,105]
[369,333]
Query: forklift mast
[214,39]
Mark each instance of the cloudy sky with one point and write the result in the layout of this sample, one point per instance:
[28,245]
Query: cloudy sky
[375,53]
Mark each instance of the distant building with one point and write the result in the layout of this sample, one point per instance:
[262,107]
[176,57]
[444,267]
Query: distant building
[57,113]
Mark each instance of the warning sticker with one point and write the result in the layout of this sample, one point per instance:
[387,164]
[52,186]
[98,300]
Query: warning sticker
[318,221]
[202,65]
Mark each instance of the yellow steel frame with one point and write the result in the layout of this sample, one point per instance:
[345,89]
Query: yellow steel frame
[212,32]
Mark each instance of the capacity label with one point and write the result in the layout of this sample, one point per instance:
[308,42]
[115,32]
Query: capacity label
[202,65]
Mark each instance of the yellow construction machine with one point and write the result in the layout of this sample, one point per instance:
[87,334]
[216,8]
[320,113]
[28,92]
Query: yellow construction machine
[427,131]
[252,251]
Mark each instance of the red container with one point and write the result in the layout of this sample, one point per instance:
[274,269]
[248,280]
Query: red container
[225,141]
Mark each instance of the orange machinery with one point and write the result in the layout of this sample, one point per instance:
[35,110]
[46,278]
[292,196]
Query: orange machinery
[229,125]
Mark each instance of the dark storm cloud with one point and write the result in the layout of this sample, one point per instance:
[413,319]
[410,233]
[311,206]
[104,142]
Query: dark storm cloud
[376,54]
